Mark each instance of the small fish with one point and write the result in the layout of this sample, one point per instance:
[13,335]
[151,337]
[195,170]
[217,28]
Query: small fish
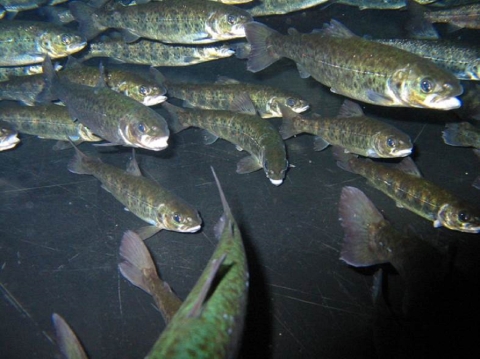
[114,117]
[280,7]
[462,134]
[146,199]
[209,324]
[409,190]
[356,67]
[154,53]
[67,341]
[246,130]
[12,7]
[352,130]
[29,42]
[28,70]
[220,95]
[138,268]
[8,137]
[170,21]
[465,16]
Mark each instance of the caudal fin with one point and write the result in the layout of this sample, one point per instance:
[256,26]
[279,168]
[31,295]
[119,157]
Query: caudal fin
[81,163]
[260,57]
[67,341]
[84,14]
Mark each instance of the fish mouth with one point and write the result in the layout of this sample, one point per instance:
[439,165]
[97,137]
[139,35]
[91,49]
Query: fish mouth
[154,143]
[153,100]
[191,229]
[76,47]
[301,109]
[403,153]
[442,103]
[276,182]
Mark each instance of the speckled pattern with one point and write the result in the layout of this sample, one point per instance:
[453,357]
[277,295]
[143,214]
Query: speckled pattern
[462,16]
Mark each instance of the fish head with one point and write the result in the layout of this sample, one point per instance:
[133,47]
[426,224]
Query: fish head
[275,169]
[460,217]
[427,86]
[145,133]
[390,144]
[144,92]
[8,138]
[179,217]
[295,104]
[60,44]
[227,24]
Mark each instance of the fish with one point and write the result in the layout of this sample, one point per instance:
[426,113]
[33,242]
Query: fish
[138,268]
[67,341]
[375,4]
[29,42]
[357,68]
[154,53]
[28,70]
[154,204]
[209,324]
[114,117]
[409,190]
[170,21]
[228,2]
[246,130]
[371,240]
[465,16]
[280,7]
[10,8]
[462,134]
[8,137]
[351,130]
[220,95]
[461,60]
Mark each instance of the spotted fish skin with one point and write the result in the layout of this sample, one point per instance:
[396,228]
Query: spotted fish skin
[467,16]
[280,7]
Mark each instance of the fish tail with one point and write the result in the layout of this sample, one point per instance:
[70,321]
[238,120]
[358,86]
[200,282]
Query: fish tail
[452,133]
[49,76]
[67,341]
[174,123]
[84,14]
[358,215]
[81,163]
[287,128]
[260,57]
[344,159]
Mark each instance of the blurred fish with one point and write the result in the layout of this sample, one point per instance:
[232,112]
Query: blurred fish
[280,7]
[28,70]
[220,95]
[462,134]
[209,324]
[146,199]
[452,3]
[8,137]
[57,15]
[405,186]
[357,68]
[114,117]
[170,21]
[461,60]
[229,2]
[138,268]
[153,53]
[351,130]
[29,42]
[466,16]
[246,130]
[12,7]
[374,4]
[67,341]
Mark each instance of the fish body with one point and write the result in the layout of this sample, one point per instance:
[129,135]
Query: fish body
[463,61]
[247,131]
[8,137]
[280,7]
[146,199]
[356,67]
[465,16]
[28,70]
[351,130]
[462,134]
[154,53]
[220,95]
[170,21]
[114,117]
[375,4]
[29,42]
[209,324]
[415,193]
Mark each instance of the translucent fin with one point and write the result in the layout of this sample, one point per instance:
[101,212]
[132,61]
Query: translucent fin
[350,109]
[67,341]
[260,57]
[247,165]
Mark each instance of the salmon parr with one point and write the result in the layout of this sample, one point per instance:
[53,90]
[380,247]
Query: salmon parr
[170,21]
[357,68]
[154,204]
[409,190]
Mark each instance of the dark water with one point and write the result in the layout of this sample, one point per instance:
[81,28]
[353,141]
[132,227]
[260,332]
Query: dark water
[60,234]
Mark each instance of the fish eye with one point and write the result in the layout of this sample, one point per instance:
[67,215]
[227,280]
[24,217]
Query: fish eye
[232,19]
[144,90]
[463,216]
[290,102]
[66,39]
[177,218]
[141,128]
[391,142]
[426,85]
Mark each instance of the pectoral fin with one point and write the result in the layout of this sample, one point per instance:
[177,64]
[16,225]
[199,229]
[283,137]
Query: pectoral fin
[248,164]
[379,99]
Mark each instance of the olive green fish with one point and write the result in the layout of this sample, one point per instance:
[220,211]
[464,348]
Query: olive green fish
[154,53]
[280,7]
[246,130]
[67,341]
[170,21]
[8,137]
[409,190]
[462,134]
[375,4]
[209,324]
[138,268]
[146,199]
[356,67]
[220,95]
[12,7]
[28,70]
[351,130]
[466,16]
[461,60]
[114,117]
[29,42]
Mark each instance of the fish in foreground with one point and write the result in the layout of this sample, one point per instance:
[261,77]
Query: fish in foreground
[8,137]
[30,42]
[280,7]
[67,341]
[209,324]
[138,268]
[462,134]
[154,53]
[220,95]
[146,199]
[171,21]
[352,130]
[409,190]
[114,117]
[246,130]
[466,16]
[356,67]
